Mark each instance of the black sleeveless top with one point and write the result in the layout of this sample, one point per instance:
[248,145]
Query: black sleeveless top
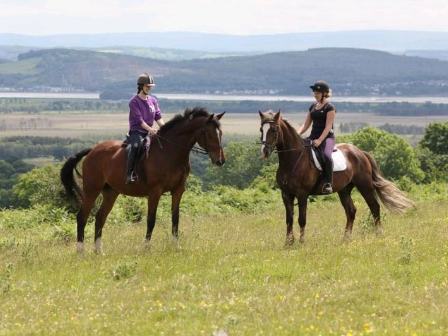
[319,118]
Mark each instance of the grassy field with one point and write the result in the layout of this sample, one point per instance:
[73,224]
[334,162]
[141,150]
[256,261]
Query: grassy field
[85,124]
[26,66]
[232,273]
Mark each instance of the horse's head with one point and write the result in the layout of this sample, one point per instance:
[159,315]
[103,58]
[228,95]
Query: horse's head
[210,138]
[269,131]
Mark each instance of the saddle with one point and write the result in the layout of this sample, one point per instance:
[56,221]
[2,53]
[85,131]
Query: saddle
[339,161]
[143,148]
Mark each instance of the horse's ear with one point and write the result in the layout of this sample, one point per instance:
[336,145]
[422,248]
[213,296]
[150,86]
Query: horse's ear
[261,114]
[210,117]
[277,116]
[219,116]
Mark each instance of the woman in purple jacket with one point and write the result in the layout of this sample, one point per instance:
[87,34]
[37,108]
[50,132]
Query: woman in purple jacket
[143,111]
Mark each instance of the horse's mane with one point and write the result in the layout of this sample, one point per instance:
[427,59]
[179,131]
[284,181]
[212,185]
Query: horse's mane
[188,114]
[288,125]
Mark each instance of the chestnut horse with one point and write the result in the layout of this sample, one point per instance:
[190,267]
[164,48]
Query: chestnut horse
[297,176]
[165,170]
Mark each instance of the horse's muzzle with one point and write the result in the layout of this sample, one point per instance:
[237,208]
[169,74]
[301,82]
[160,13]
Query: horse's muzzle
[265,151]
[220,162]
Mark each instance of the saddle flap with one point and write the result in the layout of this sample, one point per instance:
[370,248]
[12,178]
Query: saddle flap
[339,161]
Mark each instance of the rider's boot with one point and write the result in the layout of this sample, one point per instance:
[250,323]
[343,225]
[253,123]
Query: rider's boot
[130,175]
[328,187]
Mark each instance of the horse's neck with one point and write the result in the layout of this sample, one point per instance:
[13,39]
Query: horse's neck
[185,139]
[289,145]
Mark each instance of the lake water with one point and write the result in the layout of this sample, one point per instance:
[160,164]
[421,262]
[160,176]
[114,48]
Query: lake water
[214,97]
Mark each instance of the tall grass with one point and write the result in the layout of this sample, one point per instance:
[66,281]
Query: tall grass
[232,273]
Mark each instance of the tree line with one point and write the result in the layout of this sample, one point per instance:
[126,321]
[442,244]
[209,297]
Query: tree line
[398,161]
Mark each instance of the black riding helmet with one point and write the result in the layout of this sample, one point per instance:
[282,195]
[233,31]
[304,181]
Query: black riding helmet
[320,86]
[145,79]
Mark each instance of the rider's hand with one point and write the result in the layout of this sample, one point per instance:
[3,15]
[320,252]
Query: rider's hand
[316,143]
[153,131]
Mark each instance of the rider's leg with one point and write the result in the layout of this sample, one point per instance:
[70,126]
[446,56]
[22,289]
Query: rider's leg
[327,148]
[135,139]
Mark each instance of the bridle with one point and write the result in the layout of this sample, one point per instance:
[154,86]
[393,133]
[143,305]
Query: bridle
[205,149]
[276,133]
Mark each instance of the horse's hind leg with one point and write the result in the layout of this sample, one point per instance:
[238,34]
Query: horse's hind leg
[153,202]
[368,193]
[288,201]
[81,218]
[109,197]
[349,207]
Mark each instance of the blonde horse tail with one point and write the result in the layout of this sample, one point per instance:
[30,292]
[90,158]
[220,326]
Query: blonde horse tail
[392,198]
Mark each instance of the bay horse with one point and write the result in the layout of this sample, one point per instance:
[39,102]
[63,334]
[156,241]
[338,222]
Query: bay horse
[297,177]
[165,170]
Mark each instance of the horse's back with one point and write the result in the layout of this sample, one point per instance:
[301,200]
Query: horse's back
[104,152]
[357,161]
[104,160]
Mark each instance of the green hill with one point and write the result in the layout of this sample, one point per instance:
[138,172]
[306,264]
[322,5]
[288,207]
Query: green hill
[349,71]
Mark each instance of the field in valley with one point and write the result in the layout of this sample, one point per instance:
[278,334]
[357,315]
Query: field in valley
[83,124]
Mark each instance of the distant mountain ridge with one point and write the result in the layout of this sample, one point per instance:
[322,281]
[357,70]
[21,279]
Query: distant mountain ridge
[349,72]
[386,40]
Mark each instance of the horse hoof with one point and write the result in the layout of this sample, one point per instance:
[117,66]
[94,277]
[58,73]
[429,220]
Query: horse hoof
[289,241]
[347,238]
[98,247]
[99,252]
[80,249]
[380,233]
[176,244]
[302,240]
[147,245]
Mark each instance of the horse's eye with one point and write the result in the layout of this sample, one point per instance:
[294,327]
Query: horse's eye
[261,129]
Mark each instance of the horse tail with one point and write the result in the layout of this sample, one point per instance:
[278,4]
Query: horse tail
[72,189]
[392,198]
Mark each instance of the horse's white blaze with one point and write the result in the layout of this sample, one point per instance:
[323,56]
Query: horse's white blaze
[265,129]
[98,246]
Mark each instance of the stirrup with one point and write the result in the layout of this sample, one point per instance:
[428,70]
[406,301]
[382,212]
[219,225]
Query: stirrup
[327,188]
[130,178]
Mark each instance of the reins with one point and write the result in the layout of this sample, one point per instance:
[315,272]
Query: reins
[194,149]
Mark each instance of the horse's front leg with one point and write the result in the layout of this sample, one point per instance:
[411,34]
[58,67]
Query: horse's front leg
[153,202]
[288,201]
[176,196]
[303,201]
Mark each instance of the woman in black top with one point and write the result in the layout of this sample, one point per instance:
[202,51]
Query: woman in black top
[321,114]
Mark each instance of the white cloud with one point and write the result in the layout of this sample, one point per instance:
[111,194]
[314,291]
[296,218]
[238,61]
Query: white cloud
[231,16]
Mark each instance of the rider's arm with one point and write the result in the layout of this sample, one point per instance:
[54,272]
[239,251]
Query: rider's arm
[306,125]
[160,122]
[148,128]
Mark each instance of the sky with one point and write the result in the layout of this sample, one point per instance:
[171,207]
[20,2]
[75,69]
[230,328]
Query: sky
[237,17]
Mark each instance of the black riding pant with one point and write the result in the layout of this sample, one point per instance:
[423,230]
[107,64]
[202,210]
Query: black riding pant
[135,139]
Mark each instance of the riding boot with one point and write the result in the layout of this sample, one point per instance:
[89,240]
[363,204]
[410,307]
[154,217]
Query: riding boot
[328,187]
[130,175]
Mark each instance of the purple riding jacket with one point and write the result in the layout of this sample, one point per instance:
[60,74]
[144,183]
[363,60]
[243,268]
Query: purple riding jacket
[143,110]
